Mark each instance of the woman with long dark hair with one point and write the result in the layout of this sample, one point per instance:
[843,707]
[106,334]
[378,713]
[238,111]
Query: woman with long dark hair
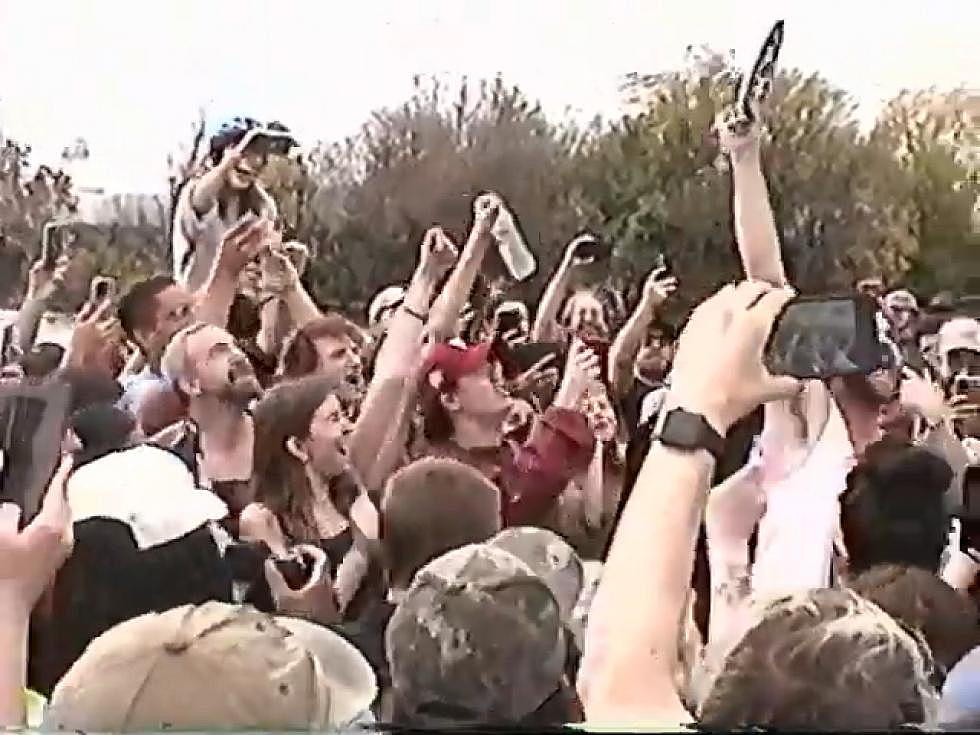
[304,488]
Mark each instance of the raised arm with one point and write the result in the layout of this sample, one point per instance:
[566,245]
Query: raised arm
[241,244]
[755,225]
[446,310]
[545,327]
[631,680]
[622,355]
[29,560]
[42,285]
[381,423]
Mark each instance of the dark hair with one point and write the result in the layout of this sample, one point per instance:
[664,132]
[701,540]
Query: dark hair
[430,507]
[299,355]
[279,479]
[137,307]
[437,425]
[230,134]
[88,387]
[101,429]
[922,601]
[42,360]
[244,318]
[893,510]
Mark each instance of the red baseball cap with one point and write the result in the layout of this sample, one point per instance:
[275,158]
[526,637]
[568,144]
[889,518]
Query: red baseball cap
[457,362]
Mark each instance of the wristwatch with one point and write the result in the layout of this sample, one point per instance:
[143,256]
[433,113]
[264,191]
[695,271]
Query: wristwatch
[689,432]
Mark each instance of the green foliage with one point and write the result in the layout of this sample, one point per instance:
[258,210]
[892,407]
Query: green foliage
[899,202]
[936,143]
[375,194]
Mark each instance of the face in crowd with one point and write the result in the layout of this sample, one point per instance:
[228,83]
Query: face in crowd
[325,447]
[339,358]
[654,358]
[903,315]
[598,409]
[586,316]
[480,397]
[165,313]
[247,171]
[216,367]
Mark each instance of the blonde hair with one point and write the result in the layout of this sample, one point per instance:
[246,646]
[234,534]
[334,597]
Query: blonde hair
[826,659]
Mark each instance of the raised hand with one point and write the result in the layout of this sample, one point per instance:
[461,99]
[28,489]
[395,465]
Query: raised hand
[485,210]
[922,397]
[243,243]
[581,370]
[438,254]
[738,136]
[718,369]
[659,286]
[316,601]
[279,274]
[30,558]
[45,283]
[97,338]
[541,375]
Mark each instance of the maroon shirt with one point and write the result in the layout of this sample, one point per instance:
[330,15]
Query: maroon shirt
[532,477]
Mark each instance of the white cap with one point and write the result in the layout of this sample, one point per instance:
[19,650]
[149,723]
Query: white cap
[386,298]
[149,489]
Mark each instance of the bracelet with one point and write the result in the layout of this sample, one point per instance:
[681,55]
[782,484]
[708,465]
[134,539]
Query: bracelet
[411,312]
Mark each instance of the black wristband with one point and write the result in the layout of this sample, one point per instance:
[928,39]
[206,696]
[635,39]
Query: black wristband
[411,312]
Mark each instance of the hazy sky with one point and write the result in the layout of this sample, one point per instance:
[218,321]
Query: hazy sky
[128,75]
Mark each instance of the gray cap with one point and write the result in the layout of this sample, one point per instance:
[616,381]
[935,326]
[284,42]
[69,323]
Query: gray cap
[550,557]
[478,637]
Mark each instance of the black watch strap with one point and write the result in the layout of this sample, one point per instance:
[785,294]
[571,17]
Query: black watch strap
[689,432]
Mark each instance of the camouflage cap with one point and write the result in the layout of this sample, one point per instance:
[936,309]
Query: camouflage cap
[550,557]
[478,637]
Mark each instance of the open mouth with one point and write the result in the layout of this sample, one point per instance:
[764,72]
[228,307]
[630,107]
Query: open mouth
[245,172]
[240,370]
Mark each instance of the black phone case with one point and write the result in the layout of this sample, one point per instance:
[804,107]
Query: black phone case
[763,70]
[33,419]
[594,248]
[867,351]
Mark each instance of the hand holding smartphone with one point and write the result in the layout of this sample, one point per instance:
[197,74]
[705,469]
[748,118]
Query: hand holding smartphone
[820,337]
[33,420]
[103,288]
[756,86]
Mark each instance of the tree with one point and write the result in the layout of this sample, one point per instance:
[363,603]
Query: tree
[935,144]
[375,194]
[661,185]
[26,203]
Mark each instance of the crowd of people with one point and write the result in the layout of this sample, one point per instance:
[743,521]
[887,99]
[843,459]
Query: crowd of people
[473,510]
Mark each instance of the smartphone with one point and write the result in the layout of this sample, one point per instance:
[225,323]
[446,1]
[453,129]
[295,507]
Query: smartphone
[296,571]
[970,507]
[966,384]
[51,245]
[520,358]
[103,288]
[33,420]
[661,263]
[757,85]
[508,321]
[820,337]
[601,348]
[271,142]
[590,246]
[8,344]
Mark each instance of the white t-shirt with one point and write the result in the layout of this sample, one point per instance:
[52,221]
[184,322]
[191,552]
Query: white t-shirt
[196,239]
[797,532]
